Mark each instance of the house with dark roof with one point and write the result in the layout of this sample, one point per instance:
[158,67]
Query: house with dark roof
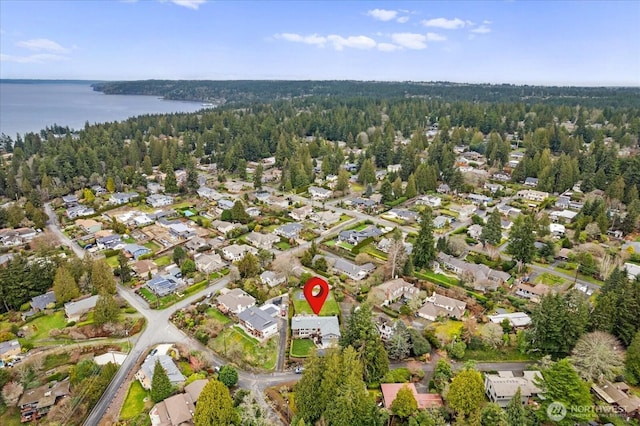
[9,349]
[159,200]
[36,403]
[40,303]
[481,276]
[135,250]
[353,271]
[163,285]
[108,242]
[74,310]
[319,193]
[122,197]
[289,230]
[354,237]
[70,200]
[618,396]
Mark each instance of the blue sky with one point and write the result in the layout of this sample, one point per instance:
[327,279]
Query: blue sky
[522,42]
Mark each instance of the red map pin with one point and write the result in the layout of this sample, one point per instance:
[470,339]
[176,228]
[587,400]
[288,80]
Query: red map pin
[316,301]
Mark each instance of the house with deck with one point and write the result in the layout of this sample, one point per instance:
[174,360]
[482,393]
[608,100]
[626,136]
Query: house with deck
[324,331]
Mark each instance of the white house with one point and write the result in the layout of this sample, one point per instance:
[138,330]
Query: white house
[235,301]
[319,193]
[258,322]
[236,252]
[159,200]
[272,279]
[325,331]
[438,305]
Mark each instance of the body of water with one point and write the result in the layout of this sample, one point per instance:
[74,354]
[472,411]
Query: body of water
[30,107]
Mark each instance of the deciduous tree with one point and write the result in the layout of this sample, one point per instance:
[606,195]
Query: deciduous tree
[632,363]
[228,375]
[597,356]
[248,266]
[102,277]
[405,403]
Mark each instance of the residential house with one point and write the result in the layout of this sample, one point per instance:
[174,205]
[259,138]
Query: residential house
[443,188]
[163,285]
[493,187]
[76,309]
[327,218]
[279,202]
[272,279]
[385,244]
[481,276]
[258,322]
[351,270]
[564,215]
[209,263]
[159,200]
[402,214]
[479,199]
[464,211]
[318,193]
[441,306]
[135,250]
[154,188]
[441,221]
[563,254]
[224,227]
[424,400]
[385,328]
[196,243]
[109,242]
[531,181]
[78,211]
[557,229]
[429,200]
[70,200]
[9,349]
[235,301]
[363,203]
[40,303]
[262,241]
[122,197]
[618,396]
[354,237]
[182,231]
[394,168]
[563,202]
[289,230]
[98,190]
[633,270]
[516,319]
[324,331]
[145,373]
[89,226]
[178,410]
[502,387]
[474,231]
[394,290]
[142,268]
[533,195]
[35,403]
[236,252]
[252,211]
[225,204]
[301,213]
[502,177]
[533,293]
[209,193]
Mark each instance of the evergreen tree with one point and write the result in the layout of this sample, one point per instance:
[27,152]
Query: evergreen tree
[124,269]
[411,190]
[215,406]
[106,310]
[102,277]
[228,375]
[492,231]
[238,213]
[161,387]
[632,362]
[343,180]
[466,394]
[515,412]
[64,286]
[493,415]
[170,182]
[398,346]
[386,190]
[405,403]
[367,173]
[560,383]
[522,239]
[424,250]
[257,177]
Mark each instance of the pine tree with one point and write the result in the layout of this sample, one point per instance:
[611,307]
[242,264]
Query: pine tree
[411,190]
[64,286]
[161,387]
[632,362]
[106,310]
[522,239]
[424,250]
[102,277]
[492,231]
[257,177]
[215,406]
[516,414]
[367,173]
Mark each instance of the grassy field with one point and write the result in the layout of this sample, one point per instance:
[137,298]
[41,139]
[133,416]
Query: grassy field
[301,305]
[134,404]
[244,350]
[11,417]
[499,354]
[283,245]
[301,348]
[549,279]
[449,328]
[112,261]
[371,250]
[55,360]
[41,326]
[163,261]
[437,278]
[218,316]
[152,246]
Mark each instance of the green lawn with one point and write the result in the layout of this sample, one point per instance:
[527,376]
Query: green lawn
[371,250]
[163,261]
[437,278]
[134,404]
[549,279]
[112,261]
[361,227]
[55,360]
[41,326]
[218,316]
[152,246]
[301,306]
[301,348]
[283,245]
[244,350]
[450,328]
[499,354]
[128,240]
[344,245]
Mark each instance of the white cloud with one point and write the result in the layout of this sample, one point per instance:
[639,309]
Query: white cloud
[42,44]
[387,47]
[487,22]
[38,58]
[482,29]
[435,37]
[312,39]
[410,40]
[382,14]
[402,19]
[444,23]
[355,42]
[190,4]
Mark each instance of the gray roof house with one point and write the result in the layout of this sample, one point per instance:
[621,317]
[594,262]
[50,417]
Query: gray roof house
[353,271]
[39,303]
[502,387]
[258,322]
[272,279]
[354,237]
[122,197]
[74,310]
[163,285]
[145,374]
[325,331]
[289,230]
[438,305]
[135,250]
[481,276]
[235,301]
[209,263]
[262,241]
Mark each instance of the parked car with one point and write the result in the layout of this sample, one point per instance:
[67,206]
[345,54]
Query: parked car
[299,370]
